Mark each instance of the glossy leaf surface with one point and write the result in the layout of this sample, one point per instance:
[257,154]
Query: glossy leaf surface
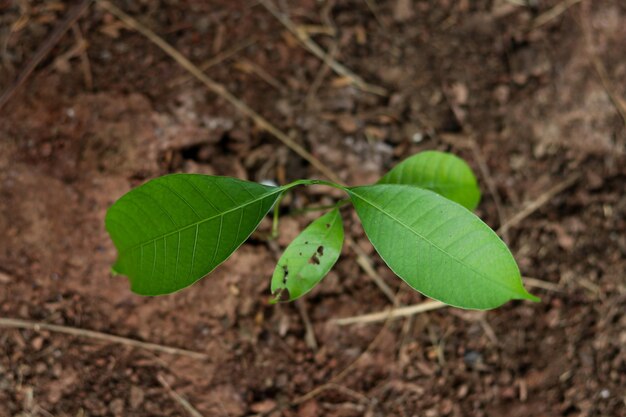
[443,173]
[308,258]
[173,230]
[438,247]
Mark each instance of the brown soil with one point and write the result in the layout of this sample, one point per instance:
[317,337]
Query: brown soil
[541,104]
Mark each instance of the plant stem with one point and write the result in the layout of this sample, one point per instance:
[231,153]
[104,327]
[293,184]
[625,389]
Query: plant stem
[313,182]
[287,187]
[274,234]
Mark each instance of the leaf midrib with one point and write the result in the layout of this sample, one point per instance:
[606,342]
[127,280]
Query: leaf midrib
[433,244]
[199,222]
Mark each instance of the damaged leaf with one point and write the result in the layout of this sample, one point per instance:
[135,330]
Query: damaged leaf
[308,258]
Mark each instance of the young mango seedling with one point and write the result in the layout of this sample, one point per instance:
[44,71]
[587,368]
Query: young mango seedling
[174,230]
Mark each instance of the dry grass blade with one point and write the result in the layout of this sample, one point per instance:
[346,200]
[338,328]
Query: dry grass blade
[178,398]
[219,89]
[316,50]
[90,334]
[44,49]
[249,67]
[534,205]
[394,313]
[618,102]
[553,13]
[219,58]
[366,265]
[545,285]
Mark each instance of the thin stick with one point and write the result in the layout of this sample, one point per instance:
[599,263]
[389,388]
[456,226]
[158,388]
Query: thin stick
[618,102]
[373,7]
[178,398]
[321,74]
[553,13]
[493,190]
[84,58]
[398,312]
[44,50]
[309,336]
[221,57]
[366,265]
[538,283]
[316,50]
[247,66]
[219,89]
[392,314]
[90,334]
[534,205]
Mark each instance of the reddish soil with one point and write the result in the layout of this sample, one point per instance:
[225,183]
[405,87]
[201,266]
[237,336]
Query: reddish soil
[539,100]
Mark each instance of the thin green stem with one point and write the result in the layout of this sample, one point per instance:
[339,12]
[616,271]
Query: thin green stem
[313,182]
[274,234]
[287,187]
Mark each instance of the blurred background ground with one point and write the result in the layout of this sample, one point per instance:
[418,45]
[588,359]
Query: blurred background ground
[530,95]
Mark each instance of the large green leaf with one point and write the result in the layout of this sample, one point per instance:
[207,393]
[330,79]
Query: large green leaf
[309,257]
[173,230]
[438,247]
[443,173]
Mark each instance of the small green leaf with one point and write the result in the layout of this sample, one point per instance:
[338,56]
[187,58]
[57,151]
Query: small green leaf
[438,247]
[173,230]
[308,258]
[443,173]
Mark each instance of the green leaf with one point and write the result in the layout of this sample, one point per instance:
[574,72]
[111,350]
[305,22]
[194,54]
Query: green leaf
[443,173]
[438,247]
[308,258]
[173,230]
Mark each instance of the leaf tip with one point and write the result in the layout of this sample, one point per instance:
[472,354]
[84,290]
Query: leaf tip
[530,297]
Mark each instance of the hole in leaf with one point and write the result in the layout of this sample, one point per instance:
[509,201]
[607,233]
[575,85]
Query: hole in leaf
[314,259]
[285,274]
[320,250]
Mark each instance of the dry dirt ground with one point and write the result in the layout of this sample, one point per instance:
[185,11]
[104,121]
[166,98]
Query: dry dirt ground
[529,97]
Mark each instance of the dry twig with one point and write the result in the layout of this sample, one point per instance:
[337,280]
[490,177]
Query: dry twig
[545,285]
[178,398]
[316,50]
[391,314]
[90,334]
[84,58]
[366,265]
[217,59]
[553,13]
[44,49]
[534,205]
[309,336]
[247,66]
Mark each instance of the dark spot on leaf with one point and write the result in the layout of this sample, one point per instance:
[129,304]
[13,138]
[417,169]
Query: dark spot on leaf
[300,253]
[328,225]
[320,250]
[314,259]
[306,242]
[285,274]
